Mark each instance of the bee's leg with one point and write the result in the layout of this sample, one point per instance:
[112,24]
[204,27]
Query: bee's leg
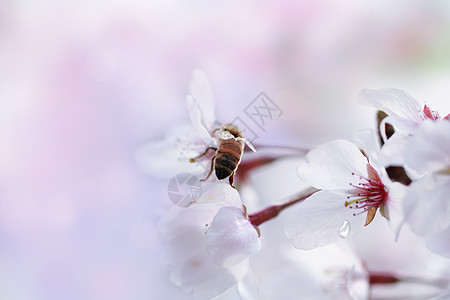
[231,179]
[210,170]
[203,154]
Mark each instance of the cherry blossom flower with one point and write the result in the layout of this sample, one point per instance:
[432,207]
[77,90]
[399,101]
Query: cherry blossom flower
[230,236]
[405,114]
[186,253]
[405,268]
[427,209]
[170,156]
[352,192]
[429,150]
[331,272]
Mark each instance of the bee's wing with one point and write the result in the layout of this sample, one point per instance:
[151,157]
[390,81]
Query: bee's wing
[224,135]
[247,142]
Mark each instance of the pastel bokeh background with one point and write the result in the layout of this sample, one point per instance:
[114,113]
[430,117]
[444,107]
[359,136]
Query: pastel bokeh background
[84,83]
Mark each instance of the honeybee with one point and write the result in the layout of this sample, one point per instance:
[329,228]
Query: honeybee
[228,154]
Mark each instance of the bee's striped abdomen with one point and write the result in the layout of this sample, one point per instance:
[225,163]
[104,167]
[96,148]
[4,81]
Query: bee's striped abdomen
[228,156]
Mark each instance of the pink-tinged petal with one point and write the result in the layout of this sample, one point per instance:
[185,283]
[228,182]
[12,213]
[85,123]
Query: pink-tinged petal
[394,207]
[426,205]
[220,192]
[396,103]
[231,238]
[200,88]
[330,166]
[429,149]
[196,119]
[439,243]
[322,219]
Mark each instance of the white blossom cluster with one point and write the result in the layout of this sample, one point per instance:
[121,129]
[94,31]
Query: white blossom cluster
[336,246]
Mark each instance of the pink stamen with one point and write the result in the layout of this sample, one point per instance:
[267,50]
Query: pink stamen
[430,114]
[368,193]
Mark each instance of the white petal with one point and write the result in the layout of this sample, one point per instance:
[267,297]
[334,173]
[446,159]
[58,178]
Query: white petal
[394,207]
[429,149]
[401,125]
[196,119]
[168,157]
[231,237]
[367,140]
[185,252]
[195,267]
[439,243]
[179,221]
[316,221]
[444,296]
[330,166]
[426,205]
[358,285]
[200,88]
[220,191]
[246,289]
[403,110]
[393,150]
[292,281]
[219,285]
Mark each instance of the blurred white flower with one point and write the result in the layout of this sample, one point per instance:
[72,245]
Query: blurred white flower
[231,238]
[351,187]
[429,150]
[192,267]
[167,157]
[404,269]
[405,114]
[331,272]
[209,242]
[426,206]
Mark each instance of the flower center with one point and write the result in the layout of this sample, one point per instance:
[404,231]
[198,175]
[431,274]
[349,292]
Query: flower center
[369,193]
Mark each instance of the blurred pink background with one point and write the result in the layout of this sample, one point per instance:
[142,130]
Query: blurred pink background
[84,83]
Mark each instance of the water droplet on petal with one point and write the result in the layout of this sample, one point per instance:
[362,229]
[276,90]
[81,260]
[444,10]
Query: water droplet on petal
[344,230]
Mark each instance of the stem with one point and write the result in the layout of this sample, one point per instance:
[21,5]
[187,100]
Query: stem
[272,211]
[377,278]
[440,283]
[388,278]
[294,150]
